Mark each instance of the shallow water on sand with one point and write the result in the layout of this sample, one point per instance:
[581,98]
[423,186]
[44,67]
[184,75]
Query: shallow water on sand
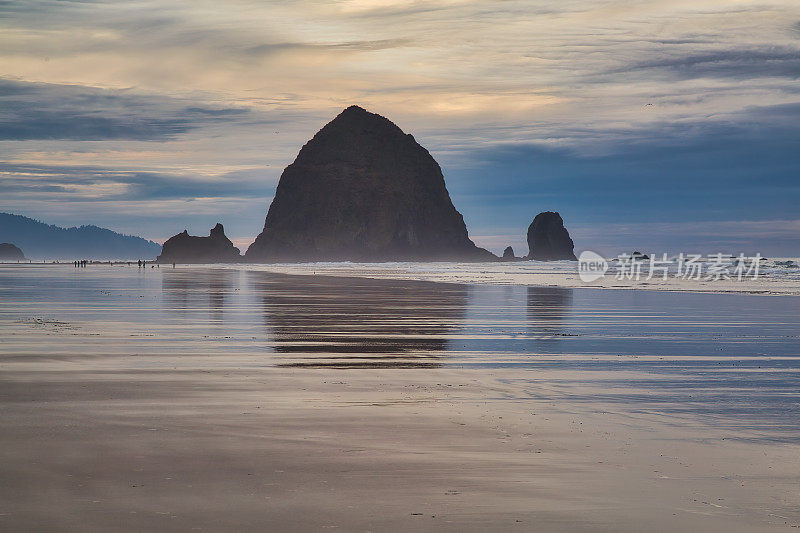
[163,399]
[733,360]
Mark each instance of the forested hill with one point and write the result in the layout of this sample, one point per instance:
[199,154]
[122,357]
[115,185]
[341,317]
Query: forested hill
[41,241]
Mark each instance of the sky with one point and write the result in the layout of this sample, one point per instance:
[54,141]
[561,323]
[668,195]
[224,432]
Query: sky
[662,125]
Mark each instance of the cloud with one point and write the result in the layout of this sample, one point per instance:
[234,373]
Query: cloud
[739,167]
[30,111]
[381,44]
[86,183]
[156,204]
[737,63]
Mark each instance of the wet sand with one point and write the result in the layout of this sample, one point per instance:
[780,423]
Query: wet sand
[210,400]
[774,276]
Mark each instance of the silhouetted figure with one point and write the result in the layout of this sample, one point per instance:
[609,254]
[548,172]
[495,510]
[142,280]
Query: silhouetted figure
[139,262]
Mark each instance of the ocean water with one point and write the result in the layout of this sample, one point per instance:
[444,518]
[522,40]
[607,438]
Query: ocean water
[730,361]
[773,276]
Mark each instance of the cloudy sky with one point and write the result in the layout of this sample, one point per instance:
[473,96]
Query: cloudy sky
[664,125]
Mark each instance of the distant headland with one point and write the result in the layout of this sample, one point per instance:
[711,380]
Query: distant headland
[11,252]
[42,241]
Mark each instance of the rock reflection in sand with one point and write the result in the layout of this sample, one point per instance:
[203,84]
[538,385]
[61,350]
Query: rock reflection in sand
[204,289]
[547,307]
[359,323]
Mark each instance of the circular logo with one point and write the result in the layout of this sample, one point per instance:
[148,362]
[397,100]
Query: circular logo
[591,266]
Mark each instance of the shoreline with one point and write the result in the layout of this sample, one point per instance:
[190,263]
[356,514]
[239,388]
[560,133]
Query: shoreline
[483,274]
[500,274]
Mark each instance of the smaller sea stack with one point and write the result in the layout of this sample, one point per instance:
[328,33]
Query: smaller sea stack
[549,240]
[185,248]
[9,252]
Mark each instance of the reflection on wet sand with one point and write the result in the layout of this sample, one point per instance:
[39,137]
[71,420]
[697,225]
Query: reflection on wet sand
[203,289]
[359,323]
[547,307]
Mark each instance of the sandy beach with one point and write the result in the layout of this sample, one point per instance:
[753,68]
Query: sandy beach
[201,399]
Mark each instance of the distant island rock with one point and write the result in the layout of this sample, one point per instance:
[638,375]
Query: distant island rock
[43,241]
[363,190]
[185,248]
[549,240]
[508,254]
[9,252]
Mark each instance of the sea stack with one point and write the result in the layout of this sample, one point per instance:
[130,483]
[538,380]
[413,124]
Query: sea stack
[549,240]
[362,190]
[185,248]
[9,252]
[508,254]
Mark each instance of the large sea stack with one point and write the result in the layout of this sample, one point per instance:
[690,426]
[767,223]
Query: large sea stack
[362,190]
[185,248]
[548,239]
[9,252]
